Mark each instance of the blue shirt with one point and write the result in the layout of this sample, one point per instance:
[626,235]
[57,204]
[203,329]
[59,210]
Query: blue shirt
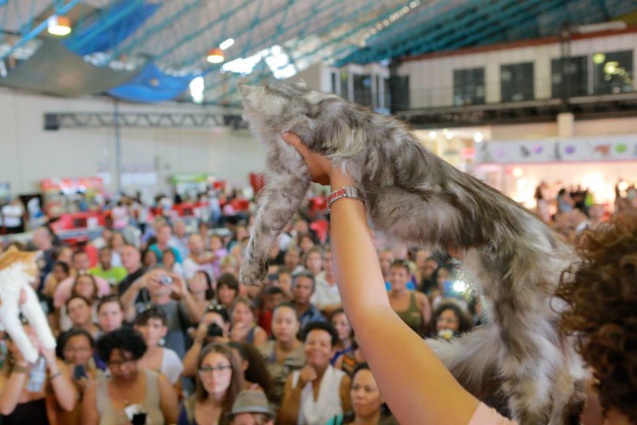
[157,252]
[312,314]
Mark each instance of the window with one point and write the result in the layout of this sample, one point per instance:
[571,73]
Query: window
[334,82]
[397,93]
[569,77]
[468,86]
[344,89]
[363,90]
[516,82]
[613,72]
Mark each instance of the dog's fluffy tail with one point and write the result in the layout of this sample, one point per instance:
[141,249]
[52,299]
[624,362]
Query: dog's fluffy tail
[473,360]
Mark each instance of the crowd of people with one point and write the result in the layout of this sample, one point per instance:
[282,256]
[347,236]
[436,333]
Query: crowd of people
[571,211]
[157,328]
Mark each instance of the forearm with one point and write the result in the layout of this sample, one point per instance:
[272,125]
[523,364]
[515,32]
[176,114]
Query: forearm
[190,359]
[194,311]
[64,390]
[128,300]
[10,391]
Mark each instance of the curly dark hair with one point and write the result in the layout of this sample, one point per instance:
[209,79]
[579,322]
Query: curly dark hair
[464,322]
[123,339]
[601,293]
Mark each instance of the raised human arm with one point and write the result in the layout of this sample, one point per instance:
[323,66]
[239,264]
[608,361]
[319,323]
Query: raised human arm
[130,295]
[418,389]
[11,387]
[60,381]
[195,313]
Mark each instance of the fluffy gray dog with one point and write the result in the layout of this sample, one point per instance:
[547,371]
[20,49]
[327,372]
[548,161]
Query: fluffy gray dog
[413,196]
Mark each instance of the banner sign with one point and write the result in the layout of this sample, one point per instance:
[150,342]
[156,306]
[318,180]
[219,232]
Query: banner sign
[577,149]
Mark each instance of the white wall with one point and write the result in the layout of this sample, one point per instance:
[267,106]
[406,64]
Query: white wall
[431,79]
[29,154]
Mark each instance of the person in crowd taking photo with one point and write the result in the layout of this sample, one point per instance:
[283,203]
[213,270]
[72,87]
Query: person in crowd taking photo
[159,289]
[128,388]
[213,328]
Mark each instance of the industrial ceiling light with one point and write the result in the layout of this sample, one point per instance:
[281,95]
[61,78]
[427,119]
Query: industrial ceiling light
[215,55]
[226,44]
[59,25]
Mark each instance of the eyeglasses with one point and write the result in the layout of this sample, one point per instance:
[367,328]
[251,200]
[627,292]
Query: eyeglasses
[209,370]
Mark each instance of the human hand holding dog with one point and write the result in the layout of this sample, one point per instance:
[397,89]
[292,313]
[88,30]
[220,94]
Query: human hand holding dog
[321,168]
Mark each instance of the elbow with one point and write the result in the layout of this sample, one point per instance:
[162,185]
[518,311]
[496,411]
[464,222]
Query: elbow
[68,405]
[6,409]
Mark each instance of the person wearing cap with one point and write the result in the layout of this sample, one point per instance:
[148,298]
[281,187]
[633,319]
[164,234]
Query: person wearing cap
[251,408]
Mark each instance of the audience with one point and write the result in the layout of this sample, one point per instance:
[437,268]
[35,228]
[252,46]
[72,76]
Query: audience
[174,325]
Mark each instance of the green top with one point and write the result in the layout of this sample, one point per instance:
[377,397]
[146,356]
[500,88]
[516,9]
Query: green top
[413,316]
[113,276]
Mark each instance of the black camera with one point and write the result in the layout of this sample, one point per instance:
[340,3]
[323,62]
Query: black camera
[214,331]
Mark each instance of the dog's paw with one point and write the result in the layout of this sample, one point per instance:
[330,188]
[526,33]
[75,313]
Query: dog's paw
[252,274]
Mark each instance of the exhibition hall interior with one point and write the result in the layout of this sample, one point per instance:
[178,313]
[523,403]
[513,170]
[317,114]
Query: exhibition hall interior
[318,212]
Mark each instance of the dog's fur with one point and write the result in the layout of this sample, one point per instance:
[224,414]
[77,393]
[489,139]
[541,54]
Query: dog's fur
[17,269]
[515,260]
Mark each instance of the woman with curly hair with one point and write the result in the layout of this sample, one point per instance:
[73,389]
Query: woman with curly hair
[601,296]
[449,321]
[128,386]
